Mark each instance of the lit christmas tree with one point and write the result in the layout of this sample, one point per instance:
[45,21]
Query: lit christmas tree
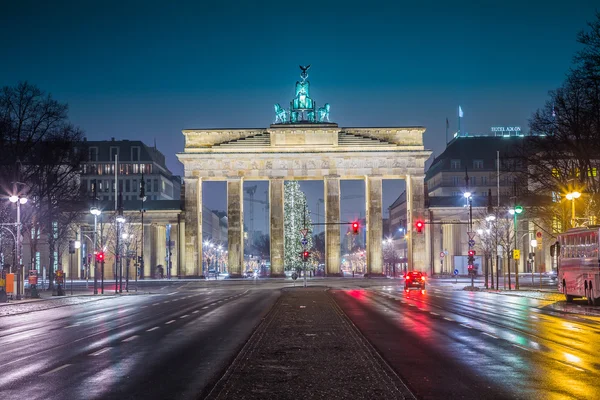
[295,210]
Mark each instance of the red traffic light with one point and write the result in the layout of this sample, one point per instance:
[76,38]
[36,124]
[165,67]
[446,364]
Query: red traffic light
[305,255]
[100,256]
[471,253]
[355,227]
[470,267]
[419,225]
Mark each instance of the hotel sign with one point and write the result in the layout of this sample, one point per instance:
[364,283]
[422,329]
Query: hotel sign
[506,129]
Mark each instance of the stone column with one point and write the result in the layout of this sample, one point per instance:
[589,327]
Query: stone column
[147,248]
[181,247]
[374,190]
[415,197]
[235,231]
[332,231]
[193,228]
[154,248]
[174,250]
[276,232]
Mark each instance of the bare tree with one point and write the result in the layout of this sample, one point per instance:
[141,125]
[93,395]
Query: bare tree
[42,157]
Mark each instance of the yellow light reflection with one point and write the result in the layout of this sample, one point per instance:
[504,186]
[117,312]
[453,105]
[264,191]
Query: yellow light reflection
[572,358]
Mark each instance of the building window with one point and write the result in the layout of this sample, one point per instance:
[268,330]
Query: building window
[455,164]
[484,180]
[556,225]
[592,172]
[128,185]
[135,153]
[484,193]
[114,153]
[93,153]
[457,194]
[456,180]
[136,168]
[473,181]
[477,164]
[156,189]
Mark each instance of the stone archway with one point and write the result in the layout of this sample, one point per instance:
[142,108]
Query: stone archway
[295,152]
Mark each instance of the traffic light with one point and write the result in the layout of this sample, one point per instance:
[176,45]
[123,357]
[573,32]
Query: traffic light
[305,255]
[419,225]
[471,262]
[71,247]
[100,256]
[355,227]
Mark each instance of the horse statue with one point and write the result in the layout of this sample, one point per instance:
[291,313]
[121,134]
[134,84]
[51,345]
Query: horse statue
[280,114]
[324,113]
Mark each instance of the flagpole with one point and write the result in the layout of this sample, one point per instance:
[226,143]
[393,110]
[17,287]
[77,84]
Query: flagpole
[458,121]
[446,131]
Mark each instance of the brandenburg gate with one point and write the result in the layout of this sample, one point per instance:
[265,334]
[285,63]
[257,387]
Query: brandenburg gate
[303,145]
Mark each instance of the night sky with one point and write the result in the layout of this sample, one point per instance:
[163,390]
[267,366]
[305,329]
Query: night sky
[148,69]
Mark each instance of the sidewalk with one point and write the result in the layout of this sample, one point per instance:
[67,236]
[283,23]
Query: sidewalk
[307,348]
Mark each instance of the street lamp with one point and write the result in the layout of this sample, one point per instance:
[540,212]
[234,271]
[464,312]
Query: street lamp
[118,259]
[95,211]
[572,196]
[515,211]
[18,200]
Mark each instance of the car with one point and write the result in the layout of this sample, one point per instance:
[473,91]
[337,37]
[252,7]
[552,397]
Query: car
[414,279]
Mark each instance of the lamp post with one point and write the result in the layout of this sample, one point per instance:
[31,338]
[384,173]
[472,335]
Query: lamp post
[118,264]
[95,212]
[572,196]
[469,198]
[18,200]
[515,211]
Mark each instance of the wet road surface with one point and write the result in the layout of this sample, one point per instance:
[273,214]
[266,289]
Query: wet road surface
[455,344]
[171,345]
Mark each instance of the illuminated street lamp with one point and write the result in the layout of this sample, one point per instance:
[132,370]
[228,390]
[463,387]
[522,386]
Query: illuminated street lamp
[95,212]
[18,200]
[572,196]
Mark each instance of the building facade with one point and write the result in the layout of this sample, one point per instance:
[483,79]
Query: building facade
[133,160]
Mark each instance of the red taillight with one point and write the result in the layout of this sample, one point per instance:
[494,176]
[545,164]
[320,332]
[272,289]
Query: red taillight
[407,277]
[422,278]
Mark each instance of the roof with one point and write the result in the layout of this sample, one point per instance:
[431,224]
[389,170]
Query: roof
[147,153]
[400,200]
[469,148]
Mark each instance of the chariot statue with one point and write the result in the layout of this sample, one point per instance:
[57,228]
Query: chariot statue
[324,113]
[280,114]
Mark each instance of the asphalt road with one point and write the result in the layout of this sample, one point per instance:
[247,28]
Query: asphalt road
[171,345]
[453,344]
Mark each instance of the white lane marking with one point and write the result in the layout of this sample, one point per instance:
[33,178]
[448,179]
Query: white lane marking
[143,306]
[152,329]
[521,347]
[212,304]
[170,322]
[103,350]
[184,316]
[569,365]
[205,307]
[56,369]
[195,312]
[171,294]
[448,319]
[71,326]
[412,305]
[164,302]
[155,304]
[490,335]
[130,338]
[432,313]
[466,326]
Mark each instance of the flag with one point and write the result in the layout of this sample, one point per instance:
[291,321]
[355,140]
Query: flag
[460,112]
[447,123]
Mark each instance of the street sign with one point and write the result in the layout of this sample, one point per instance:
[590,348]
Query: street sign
[516,254]
[471,235]
[294,276]
[304,231]
[538,235]
[471,243]
[304,242]
[455,272]
[442,254]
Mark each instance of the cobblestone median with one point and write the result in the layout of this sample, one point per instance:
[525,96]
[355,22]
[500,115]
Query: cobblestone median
[307,348]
